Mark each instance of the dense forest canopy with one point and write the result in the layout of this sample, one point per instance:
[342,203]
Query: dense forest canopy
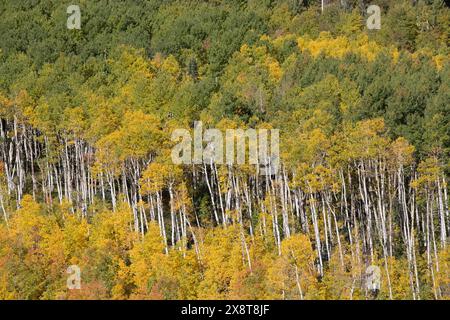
[86,176]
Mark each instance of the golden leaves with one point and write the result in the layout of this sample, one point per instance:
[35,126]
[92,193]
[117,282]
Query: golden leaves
[340,46]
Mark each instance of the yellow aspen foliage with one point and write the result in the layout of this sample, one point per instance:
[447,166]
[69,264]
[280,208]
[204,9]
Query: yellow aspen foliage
[400,279]
[186,270]
[367,139]
[249,284]
[339,282]
[403,151]
[5,292]
[124,282]
[170,65]
[429,171]
[105,116]
[112,232]
[350,23]
[35,245]
[130,63]
[223,258]
[87,177]
[6,252]
[6,106]
[440,60]
[443,274]
[76,238]
[293,274]
[75,121]
[148,262]
[340,46]
[159,175]
[28,225]
[138,136]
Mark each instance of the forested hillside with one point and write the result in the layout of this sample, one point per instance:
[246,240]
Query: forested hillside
[86,176]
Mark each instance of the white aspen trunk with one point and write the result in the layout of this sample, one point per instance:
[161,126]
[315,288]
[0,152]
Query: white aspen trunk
[211,193]
[316,231]
[441,214]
